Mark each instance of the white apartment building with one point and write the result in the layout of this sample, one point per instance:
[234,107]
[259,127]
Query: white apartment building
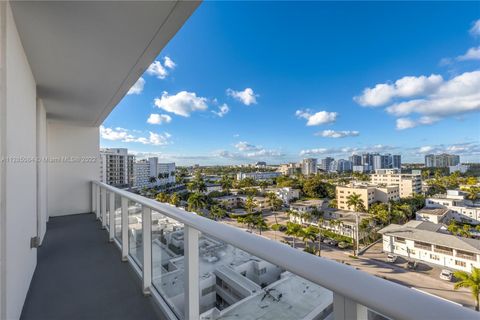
[362,168]
[461,209]
[145,171]
[309,166]
[462,168]
[423,241]
[369,193]
[116,167]
[434,215]
[286,194]
[409,184]
[304,206]
[268,175]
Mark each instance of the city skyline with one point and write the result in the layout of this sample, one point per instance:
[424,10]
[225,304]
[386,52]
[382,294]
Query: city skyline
[315,89]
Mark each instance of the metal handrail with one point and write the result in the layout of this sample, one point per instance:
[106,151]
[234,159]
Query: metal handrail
[388,298]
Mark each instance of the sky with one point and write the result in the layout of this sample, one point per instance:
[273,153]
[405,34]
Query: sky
[280,81]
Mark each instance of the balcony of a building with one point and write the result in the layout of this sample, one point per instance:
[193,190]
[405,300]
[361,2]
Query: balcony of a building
[64,65]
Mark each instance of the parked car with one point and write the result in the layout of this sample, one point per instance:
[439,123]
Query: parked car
[343,245]
[327,241]
[391,257]
[446,275]
[412,265]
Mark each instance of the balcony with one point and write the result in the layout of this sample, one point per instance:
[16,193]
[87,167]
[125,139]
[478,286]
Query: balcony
[179,258]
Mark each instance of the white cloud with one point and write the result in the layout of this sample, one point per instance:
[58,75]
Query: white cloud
[245,146]
[182,103]
[475,29]
[124,135]
[338,134]
[405,87]
[222,110]
[317,151]
[466,148]
[318,118]
[137,88]
[168,63]
[160,70]
[156,118]
[407,123]
[247,96]
[471,54]
[456,96]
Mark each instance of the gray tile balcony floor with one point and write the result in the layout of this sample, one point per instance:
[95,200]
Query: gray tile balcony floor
[80,275]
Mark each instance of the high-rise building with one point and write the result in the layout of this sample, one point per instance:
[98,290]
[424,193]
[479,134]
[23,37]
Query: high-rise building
[367,159]
[150,173]
[356,160]
[341,165]
[309,166]
[443,160]
[116,167]
[386,161]
[325,164]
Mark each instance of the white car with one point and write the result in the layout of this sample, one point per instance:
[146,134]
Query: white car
[446,275]
[391,257]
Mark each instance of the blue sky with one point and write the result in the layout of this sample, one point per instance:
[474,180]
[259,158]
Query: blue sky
[279,81]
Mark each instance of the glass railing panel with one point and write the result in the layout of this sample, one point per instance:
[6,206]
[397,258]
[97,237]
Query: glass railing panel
[107,213]
[135,240]
[235,284]
[167,261]
[118,218]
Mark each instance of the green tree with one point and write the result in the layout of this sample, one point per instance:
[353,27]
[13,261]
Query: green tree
[471,281]
[250,205]
[217,212]
[293,230]
[473,193]
[162,197]
[226,182]
[354,200]
[175,199]
[196,201]
[260,223]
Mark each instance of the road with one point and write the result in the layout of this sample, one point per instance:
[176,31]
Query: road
[425,278]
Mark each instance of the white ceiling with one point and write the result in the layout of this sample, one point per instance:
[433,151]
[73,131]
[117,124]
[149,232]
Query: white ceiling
[85,55]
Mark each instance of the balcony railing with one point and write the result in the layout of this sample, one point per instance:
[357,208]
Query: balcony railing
[179,255]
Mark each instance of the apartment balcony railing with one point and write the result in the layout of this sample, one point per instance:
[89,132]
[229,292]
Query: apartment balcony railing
[177,253]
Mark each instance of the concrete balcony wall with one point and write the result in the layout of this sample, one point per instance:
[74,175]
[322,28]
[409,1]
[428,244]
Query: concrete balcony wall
[19,188]
[73,153]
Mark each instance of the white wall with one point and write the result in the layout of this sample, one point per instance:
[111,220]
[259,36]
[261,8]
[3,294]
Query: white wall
[69,188]
[21,187]
[42,213]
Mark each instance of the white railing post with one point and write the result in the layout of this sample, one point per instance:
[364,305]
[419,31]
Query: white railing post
[192,297]
[97,201]
[104,207]
[94,197]
[147,248]
[111,216]
[124,229]
[347,309]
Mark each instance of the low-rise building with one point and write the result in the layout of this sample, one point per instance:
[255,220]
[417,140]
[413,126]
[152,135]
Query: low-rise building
[268,175]
[238,201]
[211,187]
[409,184]
[424,241]
[369,194]
[435,215]
[462,168]
[286,194]
[308,205]
[461,209]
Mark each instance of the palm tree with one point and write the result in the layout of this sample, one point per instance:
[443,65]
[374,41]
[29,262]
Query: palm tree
[250,205]
[226,183]
[293,229]
[320,223]
[263,185]
[196,201]
[354,200]
[469,280]
[260,223]
[308,233]
[473,193]
[217,212]
[275,203]
[175,199]
[152,179]
[162,197]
